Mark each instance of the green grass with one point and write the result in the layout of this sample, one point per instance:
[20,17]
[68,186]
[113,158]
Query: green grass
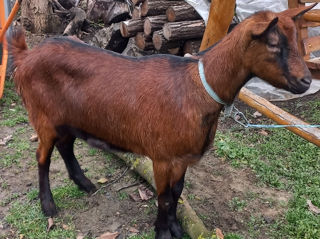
[12,110]
[28,220]
[285,161]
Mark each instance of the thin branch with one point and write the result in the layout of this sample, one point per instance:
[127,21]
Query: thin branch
[112,182]
[128,186]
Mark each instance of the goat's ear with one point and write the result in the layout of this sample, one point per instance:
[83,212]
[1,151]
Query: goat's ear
[295,13]
[262,28]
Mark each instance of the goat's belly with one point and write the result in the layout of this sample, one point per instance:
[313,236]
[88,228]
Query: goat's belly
[89,138]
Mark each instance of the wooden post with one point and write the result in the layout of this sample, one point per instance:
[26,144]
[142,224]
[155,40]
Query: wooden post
[220,17]
[301,31]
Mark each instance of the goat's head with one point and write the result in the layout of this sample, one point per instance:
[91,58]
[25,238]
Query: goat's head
[272,53]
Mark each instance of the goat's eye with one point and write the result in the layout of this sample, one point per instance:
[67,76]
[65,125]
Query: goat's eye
[273,45]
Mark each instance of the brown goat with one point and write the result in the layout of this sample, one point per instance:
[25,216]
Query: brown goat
[154,106]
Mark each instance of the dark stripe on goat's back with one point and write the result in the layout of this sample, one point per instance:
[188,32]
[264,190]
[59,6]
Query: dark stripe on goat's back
[174,60]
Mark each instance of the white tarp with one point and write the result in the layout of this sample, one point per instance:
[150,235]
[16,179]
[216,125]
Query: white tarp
[244,9]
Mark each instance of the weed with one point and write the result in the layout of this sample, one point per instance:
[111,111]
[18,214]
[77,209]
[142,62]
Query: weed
[237,204]
[123,195]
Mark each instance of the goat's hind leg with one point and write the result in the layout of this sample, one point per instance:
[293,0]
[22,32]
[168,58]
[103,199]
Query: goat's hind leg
[43,157]
[65,148]
[169,181]
[174,225]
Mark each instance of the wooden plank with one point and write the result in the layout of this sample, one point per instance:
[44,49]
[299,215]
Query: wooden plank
[314,67]
[306,24]
[311,44]
[280,116]
[218,23]
[294,3]
[309,1]
[312,15]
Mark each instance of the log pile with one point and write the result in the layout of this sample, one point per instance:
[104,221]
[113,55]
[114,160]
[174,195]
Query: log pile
[164,26]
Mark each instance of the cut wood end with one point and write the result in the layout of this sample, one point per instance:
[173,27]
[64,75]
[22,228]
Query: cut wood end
[147,27]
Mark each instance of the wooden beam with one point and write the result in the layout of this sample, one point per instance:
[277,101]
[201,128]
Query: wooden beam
[280,116]
[311,44]
[309,1]
[220,17]
[312,15]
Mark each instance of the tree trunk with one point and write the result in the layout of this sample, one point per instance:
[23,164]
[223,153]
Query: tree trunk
[183,30]
[37,16]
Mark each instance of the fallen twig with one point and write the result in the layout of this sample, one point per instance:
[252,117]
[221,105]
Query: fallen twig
[128,186]
[112,182]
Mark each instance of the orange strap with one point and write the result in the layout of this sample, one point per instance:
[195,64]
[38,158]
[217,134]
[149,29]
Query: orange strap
[4,27]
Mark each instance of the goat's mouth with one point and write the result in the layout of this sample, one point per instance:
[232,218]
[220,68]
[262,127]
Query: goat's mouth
[299,86]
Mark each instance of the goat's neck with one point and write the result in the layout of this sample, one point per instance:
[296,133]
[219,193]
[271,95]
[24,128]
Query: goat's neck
[224,68]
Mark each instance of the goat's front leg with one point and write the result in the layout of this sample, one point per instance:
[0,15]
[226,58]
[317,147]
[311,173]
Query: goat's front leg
[43,157]
[65,148]
[169,182]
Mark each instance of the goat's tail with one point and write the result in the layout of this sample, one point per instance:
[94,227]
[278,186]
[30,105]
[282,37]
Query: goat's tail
[17,46]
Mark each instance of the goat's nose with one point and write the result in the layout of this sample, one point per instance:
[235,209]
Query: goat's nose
[306,80]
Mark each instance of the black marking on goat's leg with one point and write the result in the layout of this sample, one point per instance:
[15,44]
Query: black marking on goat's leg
[165,202]
[47,204]
[65,148]
[174,225]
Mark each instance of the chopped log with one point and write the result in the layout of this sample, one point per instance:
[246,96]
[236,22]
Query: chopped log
[110,38]
[75,25]
[162,44]
[154,23]
[183,30]
[67,4]
[137,2]
[133,50]
[192,46]
[144,42]
[183,12]
[136,13]
[109,11]
[157,7]
[174,51]
[130,27]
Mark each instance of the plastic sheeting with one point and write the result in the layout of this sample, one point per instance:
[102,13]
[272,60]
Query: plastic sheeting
[202,7]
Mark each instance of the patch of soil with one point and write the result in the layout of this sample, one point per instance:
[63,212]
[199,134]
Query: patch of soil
[214,184]
[102,212]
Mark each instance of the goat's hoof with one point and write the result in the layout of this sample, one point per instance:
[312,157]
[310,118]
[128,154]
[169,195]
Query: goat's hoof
[163,234]
[49,208]
[87,186]
[176,229]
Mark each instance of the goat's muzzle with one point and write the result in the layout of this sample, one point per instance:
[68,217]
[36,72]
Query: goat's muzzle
[300,85]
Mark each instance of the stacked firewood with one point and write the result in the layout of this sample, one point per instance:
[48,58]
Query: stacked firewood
[167,26]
